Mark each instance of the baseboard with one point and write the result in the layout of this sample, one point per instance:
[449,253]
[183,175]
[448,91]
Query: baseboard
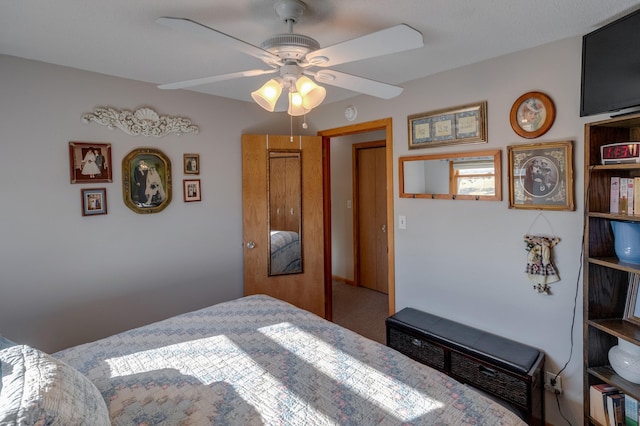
[342,280]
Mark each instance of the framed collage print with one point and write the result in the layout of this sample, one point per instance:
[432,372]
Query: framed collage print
[457,125]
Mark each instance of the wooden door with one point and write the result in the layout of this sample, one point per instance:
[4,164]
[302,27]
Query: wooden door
[371,216]
[305,290]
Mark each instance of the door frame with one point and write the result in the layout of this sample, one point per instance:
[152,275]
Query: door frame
[385,124]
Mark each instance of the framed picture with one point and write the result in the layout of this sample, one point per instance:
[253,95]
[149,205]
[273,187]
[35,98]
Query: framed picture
[456,125]
[90,162]
[94,201]
[146,180]
[541,176]
[632,307]
[192,190]
[532,115]
[191,164]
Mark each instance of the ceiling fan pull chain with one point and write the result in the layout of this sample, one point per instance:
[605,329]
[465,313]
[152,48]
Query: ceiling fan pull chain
[291,128]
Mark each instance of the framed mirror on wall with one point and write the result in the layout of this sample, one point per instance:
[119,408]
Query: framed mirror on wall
[472,175]
[284,171]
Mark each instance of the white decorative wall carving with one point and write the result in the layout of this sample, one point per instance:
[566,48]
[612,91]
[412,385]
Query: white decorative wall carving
[143,121]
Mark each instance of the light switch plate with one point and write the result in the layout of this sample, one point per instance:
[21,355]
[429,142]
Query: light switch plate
[402,222]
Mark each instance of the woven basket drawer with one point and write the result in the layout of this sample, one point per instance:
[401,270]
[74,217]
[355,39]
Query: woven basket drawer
[417,348]
[489,379]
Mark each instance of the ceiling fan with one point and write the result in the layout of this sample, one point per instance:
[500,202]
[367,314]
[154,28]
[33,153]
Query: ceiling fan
[294,56]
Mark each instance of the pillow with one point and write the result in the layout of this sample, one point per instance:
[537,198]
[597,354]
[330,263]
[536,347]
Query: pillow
[6,343]
[38,389]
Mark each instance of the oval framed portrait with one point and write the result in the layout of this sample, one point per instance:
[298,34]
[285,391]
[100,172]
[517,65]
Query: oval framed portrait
[146,180]
[532,115]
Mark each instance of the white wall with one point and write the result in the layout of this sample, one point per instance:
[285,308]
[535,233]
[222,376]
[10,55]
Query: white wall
[465,260]
[65,278]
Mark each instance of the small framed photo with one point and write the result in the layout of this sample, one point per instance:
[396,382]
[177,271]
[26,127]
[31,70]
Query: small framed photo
[192,190]
[632,306]
[90,162]
[541,176]
[450,126]
[191,164]
[94,201]
[532,115]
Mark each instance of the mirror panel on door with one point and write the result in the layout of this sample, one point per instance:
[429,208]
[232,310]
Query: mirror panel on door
[474,175]
[284,171]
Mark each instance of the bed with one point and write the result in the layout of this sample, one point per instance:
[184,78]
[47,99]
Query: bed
[251,361]
[285,253]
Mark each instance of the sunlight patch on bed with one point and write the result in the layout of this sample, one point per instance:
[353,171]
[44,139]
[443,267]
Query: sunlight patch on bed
[253,383]
[387,393]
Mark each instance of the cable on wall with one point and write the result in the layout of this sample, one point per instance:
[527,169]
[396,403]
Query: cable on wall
[575,300]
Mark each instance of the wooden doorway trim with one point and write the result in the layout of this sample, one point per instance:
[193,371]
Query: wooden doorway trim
[370,126]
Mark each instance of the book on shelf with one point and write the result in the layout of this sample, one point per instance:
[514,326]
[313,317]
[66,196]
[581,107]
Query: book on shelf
[624,190]
[615,409]
[636,196]
[630,411]
[598,402]
[631,196]
[614,199]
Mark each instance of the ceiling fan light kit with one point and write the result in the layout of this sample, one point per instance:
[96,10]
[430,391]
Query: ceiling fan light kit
[268,94]
[295,105]
[293,54]
[312,94]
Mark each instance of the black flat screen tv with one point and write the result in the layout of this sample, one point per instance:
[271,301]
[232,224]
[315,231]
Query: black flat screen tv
[611,67]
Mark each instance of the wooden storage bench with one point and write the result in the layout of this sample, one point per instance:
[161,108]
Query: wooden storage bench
[508,370]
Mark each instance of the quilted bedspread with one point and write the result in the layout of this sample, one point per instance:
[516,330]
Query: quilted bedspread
[258,360]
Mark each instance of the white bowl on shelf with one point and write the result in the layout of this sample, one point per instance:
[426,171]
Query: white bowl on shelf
[625,360]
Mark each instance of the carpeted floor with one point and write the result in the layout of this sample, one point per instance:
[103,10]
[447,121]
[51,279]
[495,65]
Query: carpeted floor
[361,310]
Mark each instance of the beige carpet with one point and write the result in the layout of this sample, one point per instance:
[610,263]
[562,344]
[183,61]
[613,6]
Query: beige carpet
[361,310]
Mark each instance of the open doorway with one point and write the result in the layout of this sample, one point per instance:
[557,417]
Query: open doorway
[341,272]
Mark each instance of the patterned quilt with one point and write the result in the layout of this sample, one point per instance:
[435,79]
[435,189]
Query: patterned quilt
[261,361]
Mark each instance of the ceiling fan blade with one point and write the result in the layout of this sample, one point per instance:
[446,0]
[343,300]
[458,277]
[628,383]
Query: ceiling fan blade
[357,84]
[207,33]
[215,78]
[391,40]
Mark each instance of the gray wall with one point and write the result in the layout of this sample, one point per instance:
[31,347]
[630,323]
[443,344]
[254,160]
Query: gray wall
[342,219]
[65,278]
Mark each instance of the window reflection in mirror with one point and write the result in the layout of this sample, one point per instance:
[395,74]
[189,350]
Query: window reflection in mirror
[284,171]
[475,175]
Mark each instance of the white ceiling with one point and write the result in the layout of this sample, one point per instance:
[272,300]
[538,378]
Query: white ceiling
[121,37]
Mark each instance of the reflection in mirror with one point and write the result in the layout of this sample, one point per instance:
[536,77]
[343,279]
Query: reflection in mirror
[475,175]
[284,171]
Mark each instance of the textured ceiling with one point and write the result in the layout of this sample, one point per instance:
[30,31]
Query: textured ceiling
[121,37]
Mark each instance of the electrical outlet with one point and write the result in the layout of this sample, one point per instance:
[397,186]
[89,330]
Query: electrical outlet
[552,383]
